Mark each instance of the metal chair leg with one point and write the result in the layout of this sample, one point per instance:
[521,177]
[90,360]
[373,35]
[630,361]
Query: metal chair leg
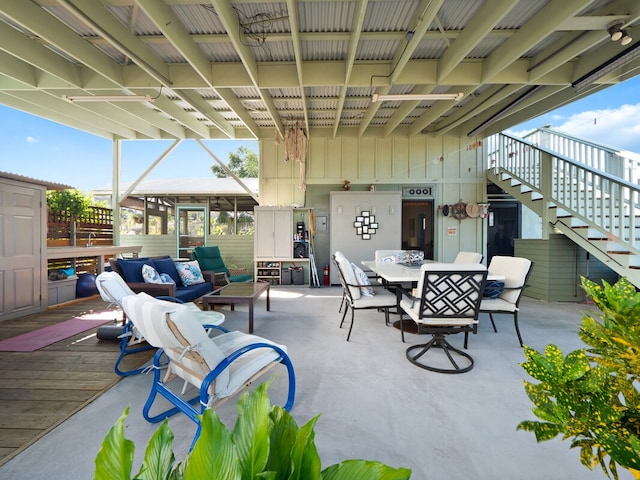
[515,321]
[493,323]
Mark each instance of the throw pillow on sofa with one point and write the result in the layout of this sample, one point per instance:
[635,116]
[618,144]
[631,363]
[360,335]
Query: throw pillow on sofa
[190,273]
[150,274]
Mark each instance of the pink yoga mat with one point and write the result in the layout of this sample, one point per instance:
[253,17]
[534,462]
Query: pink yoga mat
[32,341]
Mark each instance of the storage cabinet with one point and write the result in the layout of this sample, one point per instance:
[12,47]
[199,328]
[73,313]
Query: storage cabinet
[274,233]
[279,235]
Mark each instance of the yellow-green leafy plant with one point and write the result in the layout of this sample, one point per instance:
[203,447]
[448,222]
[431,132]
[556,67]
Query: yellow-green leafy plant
[265,443]
[591,395]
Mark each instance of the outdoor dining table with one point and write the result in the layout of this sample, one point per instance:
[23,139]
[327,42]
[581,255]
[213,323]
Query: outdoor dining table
[398,273]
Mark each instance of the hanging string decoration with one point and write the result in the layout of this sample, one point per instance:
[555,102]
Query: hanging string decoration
[295,148]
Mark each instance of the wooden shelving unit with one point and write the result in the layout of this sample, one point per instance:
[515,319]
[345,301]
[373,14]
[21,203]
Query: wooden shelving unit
[269,272]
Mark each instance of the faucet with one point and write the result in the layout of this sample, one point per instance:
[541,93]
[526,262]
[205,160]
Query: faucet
[89,242]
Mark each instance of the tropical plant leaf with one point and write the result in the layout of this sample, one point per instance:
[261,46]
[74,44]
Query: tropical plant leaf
[214,454]
[364,470]
[115,457]
[305,460]
[283,437]
[159,457]
[543,430]
[576,365]
[251,432]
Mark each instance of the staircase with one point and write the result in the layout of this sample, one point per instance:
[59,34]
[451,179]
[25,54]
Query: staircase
[585,191]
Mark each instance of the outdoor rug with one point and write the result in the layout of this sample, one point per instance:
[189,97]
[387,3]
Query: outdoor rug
[37,339]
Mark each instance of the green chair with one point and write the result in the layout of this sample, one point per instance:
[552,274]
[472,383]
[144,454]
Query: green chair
[210,260]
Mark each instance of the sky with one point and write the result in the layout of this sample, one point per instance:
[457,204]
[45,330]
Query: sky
[44,150]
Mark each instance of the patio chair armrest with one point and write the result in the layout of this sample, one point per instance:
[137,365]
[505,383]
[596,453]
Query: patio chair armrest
[217,279]
[283,358]
[154,289]
[238,271]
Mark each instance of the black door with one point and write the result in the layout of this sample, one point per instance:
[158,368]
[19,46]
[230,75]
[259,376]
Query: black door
[504,228]
[417,226]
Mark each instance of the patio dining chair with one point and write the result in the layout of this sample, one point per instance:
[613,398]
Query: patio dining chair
[468,257]
[218,367]
[358,293]
[114,289]
[446,302]
[516,271]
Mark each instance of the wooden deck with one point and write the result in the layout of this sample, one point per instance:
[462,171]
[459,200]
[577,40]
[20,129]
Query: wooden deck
[39,390]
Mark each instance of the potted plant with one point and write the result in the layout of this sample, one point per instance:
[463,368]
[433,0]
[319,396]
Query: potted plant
[265,443]
[591,395]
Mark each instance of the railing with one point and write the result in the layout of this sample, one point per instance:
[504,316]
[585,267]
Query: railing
[625,165]
[601,200]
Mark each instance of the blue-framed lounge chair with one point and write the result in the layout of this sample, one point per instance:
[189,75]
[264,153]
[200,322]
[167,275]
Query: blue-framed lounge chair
[113,289]
[217,367]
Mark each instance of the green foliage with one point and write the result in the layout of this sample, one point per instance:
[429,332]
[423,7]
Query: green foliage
[70,202]
[591,394]
[265,443]
[243,163]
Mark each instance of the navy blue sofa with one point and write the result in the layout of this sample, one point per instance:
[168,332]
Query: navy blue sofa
[131,271]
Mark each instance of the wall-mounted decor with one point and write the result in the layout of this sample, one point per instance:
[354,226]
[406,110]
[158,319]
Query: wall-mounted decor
[365,225]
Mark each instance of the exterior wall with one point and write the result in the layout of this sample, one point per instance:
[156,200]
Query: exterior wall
[453,164]
[237,250]
[559,264]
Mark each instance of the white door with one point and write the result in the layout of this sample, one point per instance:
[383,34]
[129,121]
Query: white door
[22,270]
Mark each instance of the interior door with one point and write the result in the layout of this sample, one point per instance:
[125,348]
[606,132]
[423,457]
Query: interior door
[192,226]
[417,226]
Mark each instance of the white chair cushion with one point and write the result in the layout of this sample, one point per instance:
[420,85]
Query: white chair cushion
[411,308]
[382,298]
[349,276]
[497,305]
[515,270]
[468,257]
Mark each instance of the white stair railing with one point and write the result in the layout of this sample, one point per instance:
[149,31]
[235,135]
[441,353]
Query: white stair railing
[601,200]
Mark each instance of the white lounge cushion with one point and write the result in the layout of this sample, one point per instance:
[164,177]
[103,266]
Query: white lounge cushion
[177,329]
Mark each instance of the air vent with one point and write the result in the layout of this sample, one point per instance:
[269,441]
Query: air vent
[422,191]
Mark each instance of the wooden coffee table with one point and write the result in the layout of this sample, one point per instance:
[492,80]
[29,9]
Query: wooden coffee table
[238,293]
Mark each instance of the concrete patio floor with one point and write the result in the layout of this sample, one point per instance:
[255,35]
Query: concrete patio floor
[373,403]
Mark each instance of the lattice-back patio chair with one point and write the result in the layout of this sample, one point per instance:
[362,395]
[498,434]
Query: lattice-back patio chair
[218,367]
[114,289]
[445,302]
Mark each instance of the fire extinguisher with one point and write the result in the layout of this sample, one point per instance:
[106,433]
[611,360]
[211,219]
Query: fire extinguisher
[326,275]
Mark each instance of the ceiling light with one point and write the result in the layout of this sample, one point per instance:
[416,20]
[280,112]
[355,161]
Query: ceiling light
[625,39]
[615,30]
[108,98]
[414,96]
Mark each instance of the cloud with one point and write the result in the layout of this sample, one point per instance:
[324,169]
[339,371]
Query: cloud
[31,139]
[610,127]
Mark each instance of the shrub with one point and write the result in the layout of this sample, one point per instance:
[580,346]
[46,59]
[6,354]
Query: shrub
[591,395]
